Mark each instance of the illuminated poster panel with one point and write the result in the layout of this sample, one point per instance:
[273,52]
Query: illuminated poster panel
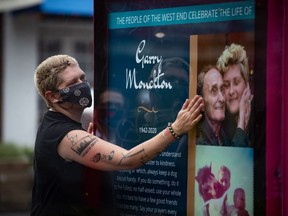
[224,155]
[155,53]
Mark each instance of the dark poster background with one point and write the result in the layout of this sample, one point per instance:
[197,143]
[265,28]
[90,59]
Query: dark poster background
[128,115]
[160,186]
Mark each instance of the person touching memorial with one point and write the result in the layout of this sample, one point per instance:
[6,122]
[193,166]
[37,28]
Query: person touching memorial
[63,148]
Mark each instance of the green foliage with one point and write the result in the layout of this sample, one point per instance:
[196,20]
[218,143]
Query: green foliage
[10,150]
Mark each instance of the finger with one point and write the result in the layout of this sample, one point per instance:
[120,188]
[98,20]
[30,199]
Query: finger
[185,104]
[248,86]
[197,119]
[201,107]
[197,104]
[246,92]
[251,97]
[193,115]
[90,128]
[193,101]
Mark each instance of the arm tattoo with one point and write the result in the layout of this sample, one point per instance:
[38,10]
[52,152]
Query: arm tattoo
[83,145]
[73,139]
[100,156]
[143,159]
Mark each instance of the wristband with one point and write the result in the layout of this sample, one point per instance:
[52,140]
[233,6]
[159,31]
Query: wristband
[167,135]
[172,131]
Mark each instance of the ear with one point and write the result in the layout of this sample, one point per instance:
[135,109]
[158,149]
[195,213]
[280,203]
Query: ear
[52,96]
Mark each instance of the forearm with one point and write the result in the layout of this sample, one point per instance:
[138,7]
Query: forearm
[146,151]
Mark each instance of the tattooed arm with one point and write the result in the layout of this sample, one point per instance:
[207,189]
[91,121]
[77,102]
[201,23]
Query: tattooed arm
[91,151]
[96,153]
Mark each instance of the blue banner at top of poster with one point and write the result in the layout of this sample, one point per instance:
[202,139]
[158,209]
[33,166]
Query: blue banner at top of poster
[183,15]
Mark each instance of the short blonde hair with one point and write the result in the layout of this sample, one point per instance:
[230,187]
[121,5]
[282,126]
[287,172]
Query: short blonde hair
[234,55]
[46,77]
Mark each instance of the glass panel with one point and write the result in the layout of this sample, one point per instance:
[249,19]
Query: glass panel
[134,83]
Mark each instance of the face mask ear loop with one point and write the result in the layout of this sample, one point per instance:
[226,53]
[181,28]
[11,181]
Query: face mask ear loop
[62,105]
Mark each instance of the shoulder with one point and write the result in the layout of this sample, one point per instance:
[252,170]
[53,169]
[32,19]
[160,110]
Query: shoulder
[53,129]
[57,122]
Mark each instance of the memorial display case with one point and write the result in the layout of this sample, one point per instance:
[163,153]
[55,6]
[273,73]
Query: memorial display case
[148,59]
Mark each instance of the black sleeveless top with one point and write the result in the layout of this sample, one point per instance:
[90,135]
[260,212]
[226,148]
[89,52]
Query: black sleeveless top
[58,185]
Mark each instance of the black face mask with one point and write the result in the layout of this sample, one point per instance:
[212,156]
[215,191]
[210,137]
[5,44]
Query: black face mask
[77,94]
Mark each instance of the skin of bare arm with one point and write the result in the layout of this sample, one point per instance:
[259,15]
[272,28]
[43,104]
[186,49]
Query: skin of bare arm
[89,150]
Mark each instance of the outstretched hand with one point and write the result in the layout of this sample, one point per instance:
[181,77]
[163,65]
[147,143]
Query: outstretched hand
[189,115]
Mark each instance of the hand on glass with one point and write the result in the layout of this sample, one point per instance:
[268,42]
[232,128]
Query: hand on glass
[189,115]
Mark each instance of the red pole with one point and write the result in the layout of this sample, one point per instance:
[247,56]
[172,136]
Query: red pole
[285,114]
[275,100]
